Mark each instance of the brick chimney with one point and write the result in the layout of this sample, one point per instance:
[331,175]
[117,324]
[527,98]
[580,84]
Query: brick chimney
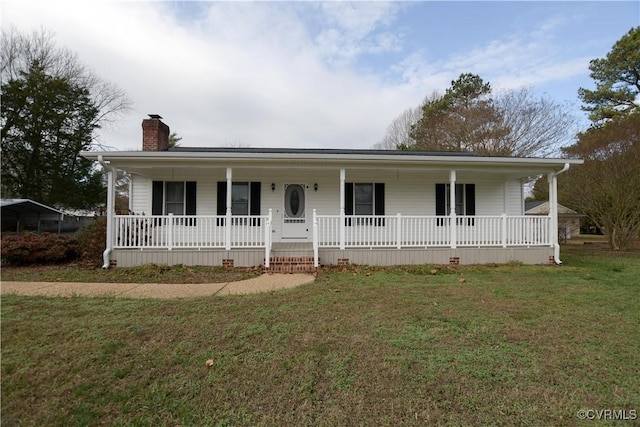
[155,134]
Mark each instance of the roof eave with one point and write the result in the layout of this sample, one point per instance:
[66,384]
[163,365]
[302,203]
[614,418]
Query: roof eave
[334,157]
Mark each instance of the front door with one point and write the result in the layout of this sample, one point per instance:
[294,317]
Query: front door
[294,219]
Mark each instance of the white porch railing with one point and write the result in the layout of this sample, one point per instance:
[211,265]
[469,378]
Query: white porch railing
[193,231]
[331,231]
[405,231]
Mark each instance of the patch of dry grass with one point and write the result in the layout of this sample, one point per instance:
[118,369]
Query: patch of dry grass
[150,273]
[509,345]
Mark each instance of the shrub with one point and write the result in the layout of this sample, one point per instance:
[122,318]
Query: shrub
[45,248]
[92,240]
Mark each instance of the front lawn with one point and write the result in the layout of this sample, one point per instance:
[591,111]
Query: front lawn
[502,345]
[150,273]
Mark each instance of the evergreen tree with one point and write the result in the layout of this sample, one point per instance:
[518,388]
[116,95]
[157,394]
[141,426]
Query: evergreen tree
[46,122]
[463,119]
[617,78]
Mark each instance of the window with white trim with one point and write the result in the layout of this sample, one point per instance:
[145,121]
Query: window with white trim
[174,197]
[245,200]
[364,199]
[465,203]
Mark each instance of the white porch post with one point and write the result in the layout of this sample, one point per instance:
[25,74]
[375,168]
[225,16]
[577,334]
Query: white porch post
[504,230]
[316,262]
[553,209]
[398,231]
[170,224]
[111,191]
[452,208]
[553,212]
[342,225]
[227,221]
[130,195]
[267,240]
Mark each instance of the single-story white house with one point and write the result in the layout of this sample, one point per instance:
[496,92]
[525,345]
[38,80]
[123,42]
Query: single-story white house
[295,209]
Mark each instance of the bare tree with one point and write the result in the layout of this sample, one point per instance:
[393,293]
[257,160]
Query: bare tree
[536,126]
[236,143]
[19,52]
[397,135]
[607,186]
[470,117]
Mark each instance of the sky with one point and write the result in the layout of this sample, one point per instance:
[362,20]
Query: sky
[318,74]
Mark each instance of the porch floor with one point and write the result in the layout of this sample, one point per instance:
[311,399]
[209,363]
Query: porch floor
[293,247]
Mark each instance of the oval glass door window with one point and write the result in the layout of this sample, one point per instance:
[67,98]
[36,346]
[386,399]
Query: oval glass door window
[294,201]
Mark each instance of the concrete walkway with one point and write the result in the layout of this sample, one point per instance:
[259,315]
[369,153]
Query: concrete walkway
[263,283]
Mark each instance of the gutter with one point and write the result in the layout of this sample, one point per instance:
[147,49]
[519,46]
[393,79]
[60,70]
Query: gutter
[338,158]
[554,205]
[106,255]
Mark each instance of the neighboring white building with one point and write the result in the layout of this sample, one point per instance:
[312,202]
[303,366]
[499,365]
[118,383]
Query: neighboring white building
[568,219]
[254,206]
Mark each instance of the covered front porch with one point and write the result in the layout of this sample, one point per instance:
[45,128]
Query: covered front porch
[335,236]
[373,208]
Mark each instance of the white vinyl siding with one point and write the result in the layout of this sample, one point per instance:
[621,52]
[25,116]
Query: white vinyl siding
[408,192]
[514,200]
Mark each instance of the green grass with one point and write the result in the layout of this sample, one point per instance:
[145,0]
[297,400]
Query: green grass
[510,345]
[150,273]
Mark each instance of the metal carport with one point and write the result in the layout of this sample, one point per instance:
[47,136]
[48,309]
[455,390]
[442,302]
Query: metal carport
[27,211]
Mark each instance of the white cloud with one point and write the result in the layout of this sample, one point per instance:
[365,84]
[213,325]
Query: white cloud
[278,74]
[353,28]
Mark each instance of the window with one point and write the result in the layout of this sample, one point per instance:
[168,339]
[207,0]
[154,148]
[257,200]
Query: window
[364,199]
[465,203]
[174,197]
[245,200]
[239,198]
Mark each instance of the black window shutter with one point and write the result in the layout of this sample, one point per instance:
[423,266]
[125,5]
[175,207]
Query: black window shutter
[190,190]
[470,199]
[378,209]
[441,201]
[348,198]
[379,199]
[222,198]
[254,202]
[221,208]
[348,202]
[157,196]
[254,194]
